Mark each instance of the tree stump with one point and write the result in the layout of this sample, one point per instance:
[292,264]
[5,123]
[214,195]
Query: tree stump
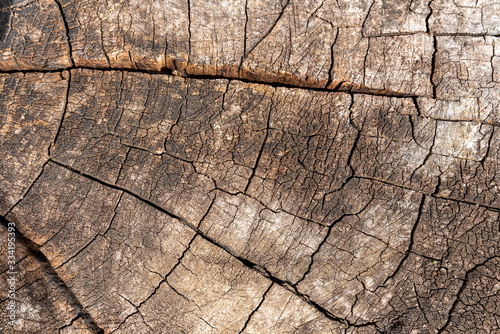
[257,166]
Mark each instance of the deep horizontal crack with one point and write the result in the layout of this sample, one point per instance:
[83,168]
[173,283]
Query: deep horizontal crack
[357,89]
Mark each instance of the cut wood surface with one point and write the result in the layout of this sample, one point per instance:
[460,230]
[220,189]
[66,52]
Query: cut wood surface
[257,166]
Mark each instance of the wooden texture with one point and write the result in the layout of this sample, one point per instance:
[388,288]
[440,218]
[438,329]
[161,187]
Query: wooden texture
[258,166]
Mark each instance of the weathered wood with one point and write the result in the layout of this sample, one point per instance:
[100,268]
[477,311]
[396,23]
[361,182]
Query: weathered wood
[251,166]
[30,117]
[45,303]
[32,36]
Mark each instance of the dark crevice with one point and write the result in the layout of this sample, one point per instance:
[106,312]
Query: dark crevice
[117,187]
[258,268]
[427,18]
[429,258]
[287,285]
[164,280]
[332,64]
[270,29]
[330,228]
[311,262]
[417,107]
[245,37]
[474,121]
[488,147]
[412,128]
[428,155]
[422,32]
[52,275]
[337,88]
[363,25]
[349,157]
[488,207]
[433,69]
[101,35]
[137,311]
[29,188]
[359,89]
[356,139]
[129,148]
[256,308]
[70,49]
[189,30]
[223,102]
[65,108]
[364,60]
[208,210]
[411,242]
[70,323]
[259,155]
[353,149]
[398,34]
